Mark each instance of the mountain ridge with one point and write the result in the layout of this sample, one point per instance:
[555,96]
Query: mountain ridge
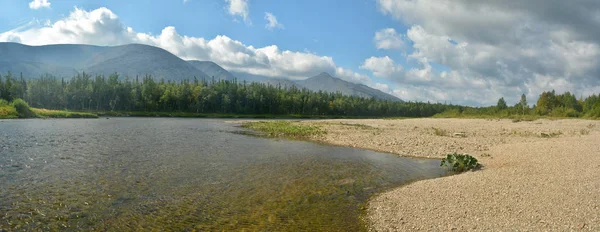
[67,60]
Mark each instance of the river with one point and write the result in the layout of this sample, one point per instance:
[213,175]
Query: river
[123,174]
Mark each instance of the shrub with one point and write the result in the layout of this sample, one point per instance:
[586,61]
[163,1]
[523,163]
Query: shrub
[22,108]
[460,162]
[3,102]
[439,131]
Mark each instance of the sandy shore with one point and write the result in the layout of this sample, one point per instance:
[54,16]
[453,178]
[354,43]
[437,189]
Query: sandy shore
[540,176]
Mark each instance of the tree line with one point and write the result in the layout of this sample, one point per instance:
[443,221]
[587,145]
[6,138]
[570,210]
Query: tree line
[84,92]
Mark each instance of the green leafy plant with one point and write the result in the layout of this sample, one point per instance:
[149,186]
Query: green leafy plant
[22,108]
[3,102]
[460,162]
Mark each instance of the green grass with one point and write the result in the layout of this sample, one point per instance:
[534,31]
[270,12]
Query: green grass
[284,129]
[20,109]
[44,113]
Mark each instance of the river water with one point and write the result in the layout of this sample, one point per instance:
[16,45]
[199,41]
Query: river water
[123,174]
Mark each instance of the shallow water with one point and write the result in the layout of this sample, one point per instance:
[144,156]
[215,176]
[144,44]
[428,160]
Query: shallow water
[184,174]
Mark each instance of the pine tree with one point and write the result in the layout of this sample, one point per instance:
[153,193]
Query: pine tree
[501,104]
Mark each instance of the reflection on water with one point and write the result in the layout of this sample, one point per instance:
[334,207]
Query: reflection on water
[184,174]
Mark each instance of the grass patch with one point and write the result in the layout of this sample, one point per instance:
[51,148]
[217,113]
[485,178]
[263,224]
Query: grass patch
[551,135]
[528,118]
[523,133]
[591,126]
[399,118]
[486,155]
[284,129]
[361,126]
[20,109]
[584,132]
[45,113]
[439,131]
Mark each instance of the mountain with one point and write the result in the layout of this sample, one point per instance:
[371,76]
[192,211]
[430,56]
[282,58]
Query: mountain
[322,82]
[328,83]
[212,70]
[66,60]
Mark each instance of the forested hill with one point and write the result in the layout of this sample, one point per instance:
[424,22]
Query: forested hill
[67,60]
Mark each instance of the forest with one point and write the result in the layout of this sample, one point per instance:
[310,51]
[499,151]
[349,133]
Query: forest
[100,94]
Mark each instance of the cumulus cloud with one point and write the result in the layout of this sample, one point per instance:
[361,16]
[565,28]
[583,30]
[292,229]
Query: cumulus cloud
[239,8]
[381,66]
[388,38]
[352,76]
[383,87]
[497,48]
[37,4]
[272,21]
[103,27]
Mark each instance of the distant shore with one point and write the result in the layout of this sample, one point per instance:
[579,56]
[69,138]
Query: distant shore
[537,175]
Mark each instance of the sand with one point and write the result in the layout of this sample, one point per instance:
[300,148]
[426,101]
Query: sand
[540,176]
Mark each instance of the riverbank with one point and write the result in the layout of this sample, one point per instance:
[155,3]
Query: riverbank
[537,175]
[10,111]
[217,115]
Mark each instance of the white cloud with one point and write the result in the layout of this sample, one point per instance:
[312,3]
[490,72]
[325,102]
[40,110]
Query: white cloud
[388,38]
[272,21]
[37,4]
[239,8]
[383,87]
[381,66]
[352,76]
[103,27]
[495,49]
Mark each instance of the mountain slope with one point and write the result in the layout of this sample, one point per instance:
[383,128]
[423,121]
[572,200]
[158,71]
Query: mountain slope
[136,59]
[212,70]
[328,83]
[274,81]
[66,60]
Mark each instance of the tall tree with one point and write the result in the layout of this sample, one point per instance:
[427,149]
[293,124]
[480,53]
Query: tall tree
[501,104]
[523,103]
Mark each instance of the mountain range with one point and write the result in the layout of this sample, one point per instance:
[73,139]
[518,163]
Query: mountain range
[67,60]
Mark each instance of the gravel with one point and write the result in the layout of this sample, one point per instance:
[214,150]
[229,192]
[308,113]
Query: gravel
[541,175]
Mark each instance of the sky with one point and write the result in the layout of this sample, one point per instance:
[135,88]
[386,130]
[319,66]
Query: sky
[454,51]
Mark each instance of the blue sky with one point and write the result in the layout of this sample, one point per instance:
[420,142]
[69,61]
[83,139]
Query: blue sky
[456,51]
[327,28]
